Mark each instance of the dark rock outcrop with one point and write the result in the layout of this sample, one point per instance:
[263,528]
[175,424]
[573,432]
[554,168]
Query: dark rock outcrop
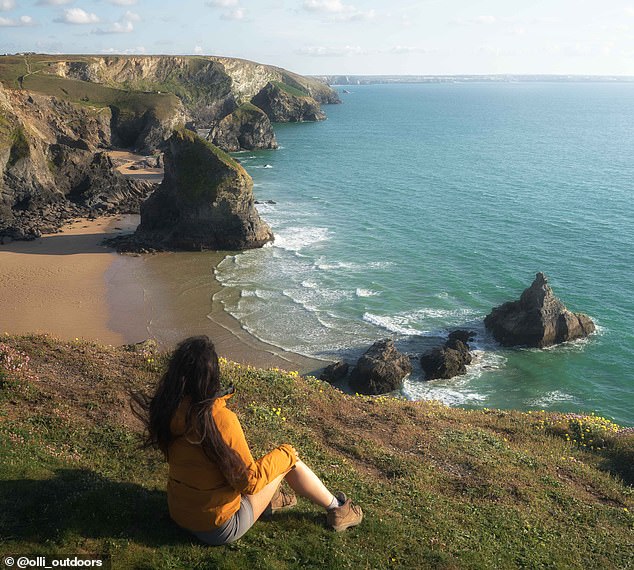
[284,104]
[204,202]
[448,360]
[381,369]
[52,168]
[248,127]
[103,190]
[537,319]
[335,372]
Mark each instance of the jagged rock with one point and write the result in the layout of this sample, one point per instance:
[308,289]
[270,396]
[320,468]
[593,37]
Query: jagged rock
[381,369]
[284,104]
[335,371]
[462,335]
[446,361]
[204,202]
[248,127]
[52,169]
[537,319]
[104,190]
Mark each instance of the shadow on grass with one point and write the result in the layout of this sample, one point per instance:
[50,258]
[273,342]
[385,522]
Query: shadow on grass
[80,502]
[620,460]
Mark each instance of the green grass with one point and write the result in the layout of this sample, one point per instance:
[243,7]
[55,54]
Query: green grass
[198,164]
[441,487]
[295,91]
[247,110]
[19,146]
[82,92]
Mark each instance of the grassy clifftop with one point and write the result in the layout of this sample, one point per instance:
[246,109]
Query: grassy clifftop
[441,487]
[36,73]
[152,82]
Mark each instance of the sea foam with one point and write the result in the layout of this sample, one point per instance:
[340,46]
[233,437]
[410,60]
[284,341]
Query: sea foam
[295,239]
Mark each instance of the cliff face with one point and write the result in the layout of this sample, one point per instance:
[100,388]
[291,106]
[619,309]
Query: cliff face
[205,201]
[211,89]
[193,79]
[50,165]
[145,129]
[58,113]
[248,127]
[284,104]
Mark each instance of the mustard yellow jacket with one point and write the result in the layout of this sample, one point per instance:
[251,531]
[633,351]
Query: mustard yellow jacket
[198,494]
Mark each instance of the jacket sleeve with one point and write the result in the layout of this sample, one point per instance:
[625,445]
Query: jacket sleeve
[261,472]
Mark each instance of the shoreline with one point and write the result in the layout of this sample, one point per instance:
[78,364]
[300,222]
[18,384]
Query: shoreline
[71,286]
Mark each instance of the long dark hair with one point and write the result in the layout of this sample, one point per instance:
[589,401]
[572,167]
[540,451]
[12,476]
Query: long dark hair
[193,371]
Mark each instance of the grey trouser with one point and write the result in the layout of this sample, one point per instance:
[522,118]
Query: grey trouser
[233,529]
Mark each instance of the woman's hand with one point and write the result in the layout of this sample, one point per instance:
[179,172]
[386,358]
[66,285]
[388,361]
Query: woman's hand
[295,454]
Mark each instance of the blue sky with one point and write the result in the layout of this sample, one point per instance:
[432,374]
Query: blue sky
[341,36]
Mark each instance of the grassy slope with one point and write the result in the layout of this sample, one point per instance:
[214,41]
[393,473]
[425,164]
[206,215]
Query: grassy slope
[83,92]
[37,77]
[441,487]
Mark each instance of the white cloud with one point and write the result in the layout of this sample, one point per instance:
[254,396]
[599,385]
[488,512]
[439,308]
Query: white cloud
[221,3]
[6,5]
[21,22]
[324,51]
[487,20]
[122,2]
[198,50]
[237,14]
[53,2]
[337,10]
[130,51]
[408,49]
[123,26]
[232,9]
[77,16]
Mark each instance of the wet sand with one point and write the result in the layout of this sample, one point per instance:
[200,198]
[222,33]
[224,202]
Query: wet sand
[55,284]
[71,286]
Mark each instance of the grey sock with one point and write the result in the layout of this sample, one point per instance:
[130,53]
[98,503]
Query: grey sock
[335,504]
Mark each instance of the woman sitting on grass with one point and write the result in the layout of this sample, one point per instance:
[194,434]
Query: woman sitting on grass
[215,489]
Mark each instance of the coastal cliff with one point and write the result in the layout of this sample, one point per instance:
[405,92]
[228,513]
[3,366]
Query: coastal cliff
[210,88]
[205,201]
[248,127]
[285,104]
[53,167]
[59,114]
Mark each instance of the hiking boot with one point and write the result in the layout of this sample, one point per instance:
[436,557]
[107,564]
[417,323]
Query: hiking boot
[281,500]
[345,516]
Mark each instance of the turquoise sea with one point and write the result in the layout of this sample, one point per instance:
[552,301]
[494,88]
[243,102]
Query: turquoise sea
[417,208]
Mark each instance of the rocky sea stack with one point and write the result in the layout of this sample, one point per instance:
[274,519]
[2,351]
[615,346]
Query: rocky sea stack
[204,202]
[381,369]
[537,319]
[450,359]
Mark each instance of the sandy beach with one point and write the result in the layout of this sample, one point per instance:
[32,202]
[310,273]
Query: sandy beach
[55,284]
[71,286]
